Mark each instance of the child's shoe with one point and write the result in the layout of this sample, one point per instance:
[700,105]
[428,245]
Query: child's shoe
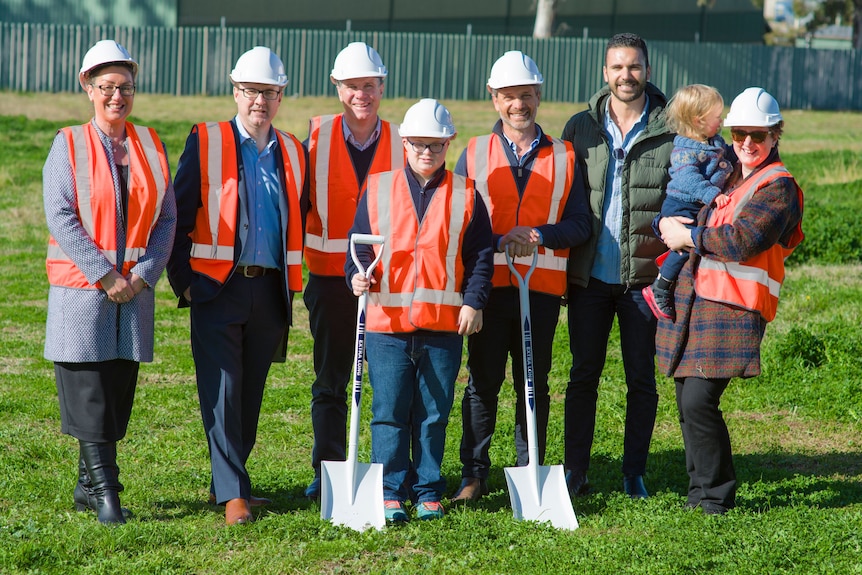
[394,511]
[659,298]
[430,510]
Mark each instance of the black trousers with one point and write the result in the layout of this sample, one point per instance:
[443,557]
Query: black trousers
[332,320]
[96,398]
[708,455]
[489,351]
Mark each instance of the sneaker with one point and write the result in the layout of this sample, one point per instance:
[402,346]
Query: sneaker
[660,300]
[394,511]
[313,489]
[430,510]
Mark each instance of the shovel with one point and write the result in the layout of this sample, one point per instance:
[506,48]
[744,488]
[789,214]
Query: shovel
[351,493]
[538,492]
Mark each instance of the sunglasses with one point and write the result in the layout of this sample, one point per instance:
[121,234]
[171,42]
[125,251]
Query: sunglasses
[757,136]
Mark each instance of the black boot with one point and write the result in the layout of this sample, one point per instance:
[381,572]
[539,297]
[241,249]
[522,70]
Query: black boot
[101,462]
[84,498]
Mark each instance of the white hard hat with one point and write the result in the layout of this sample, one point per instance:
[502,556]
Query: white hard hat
[753,107]
[427,118]
[358,60]
[105,52]
[260,65]
[514,68]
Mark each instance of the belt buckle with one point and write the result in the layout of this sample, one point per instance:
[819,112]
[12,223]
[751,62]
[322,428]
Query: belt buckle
[245,273]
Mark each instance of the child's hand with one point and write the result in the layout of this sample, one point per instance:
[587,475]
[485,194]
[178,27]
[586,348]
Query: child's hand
[722,200]
[469,320]
[360,284]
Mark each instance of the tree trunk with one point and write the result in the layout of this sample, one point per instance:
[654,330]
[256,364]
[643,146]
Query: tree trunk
[857,24]
[544,18]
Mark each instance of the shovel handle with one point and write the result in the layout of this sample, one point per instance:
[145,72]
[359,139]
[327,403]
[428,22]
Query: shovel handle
[365,240]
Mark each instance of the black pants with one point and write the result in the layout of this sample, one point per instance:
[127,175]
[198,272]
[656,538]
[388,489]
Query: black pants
[96,398]
[708,455]
[332,320]
[489,351]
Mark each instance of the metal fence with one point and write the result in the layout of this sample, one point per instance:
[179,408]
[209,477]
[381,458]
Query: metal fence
[186,61]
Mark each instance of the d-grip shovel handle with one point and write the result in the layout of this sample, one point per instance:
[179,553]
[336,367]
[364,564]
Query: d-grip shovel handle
[365,240]
[523,281]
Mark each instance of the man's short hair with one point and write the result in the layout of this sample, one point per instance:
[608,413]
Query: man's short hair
[627,40]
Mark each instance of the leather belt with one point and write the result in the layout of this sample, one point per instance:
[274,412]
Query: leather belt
[254,271]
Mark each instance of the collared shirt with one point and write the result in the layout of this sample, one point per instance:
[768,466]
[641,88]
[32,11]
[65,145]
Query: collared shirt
[606,266]
[263,190]
[523,157]
[351,139]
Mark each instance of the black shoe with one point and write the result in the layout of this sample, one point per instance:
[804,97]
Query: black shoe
[577,482]
[634,486]
[659,298]
[101,462]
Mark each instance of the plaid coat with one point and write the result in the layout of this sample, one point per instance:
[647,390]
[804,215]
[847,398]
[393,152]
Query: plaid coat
[713,340]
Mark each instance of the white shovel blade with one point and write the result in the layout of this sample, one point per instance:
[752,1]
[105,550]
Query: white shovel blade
[336,484]
[540,494]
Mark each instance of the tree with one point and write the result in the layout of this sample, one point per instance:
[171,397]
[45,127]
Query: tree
[545,12]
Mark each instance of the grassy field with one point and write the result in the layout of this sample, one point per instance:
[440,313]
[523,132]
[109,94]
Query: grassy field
[796,430]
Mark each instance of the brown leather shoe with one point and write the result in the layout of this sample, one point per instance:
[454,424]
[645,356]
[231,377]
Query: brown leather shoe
[252,501]
[471,489]
[237,512]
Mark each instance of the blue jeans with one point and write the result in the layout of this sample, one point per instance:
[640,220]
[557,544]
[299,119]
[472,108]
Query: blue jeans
[591,316]
[413,377]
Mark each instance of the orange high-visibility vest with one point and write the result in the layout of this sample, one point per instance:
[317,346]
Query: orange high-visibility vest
[214,234]
[755,283]
[99,205]
[543,202]
[422,269]
[335,190]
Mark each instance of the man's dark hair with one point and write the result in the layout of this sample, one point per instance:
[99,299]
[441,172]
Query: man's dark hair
[627,40]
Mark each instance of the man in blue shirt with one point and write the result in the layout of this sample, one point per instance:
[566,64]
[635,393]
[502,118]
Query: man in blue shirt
[624,149]
[237,261]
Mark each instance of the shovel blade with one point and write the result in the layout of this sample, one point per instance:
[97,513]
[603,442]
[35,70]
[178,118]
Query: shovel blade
[358,503]
[539,494]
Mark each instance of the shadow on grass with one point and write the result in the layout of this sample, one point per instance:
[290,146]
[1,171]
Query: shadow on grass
[766,480]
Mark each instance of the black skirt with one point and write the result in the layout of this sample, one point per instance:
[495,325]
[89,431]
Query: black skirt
[96,398]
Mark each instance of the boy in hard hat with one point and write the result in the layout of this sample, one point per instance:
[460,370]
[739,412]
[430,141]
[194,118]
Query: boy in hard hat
[535,195]
[237,261]
[343,149]
[433,282]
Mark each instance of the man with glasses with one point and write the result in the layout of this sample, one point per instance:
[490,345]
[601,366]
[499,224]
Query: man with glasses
[343,150]
[623,146]
[535,196]
[237,261]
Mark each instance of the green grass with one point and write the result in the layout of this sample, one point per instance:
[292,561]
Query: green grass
[796,430]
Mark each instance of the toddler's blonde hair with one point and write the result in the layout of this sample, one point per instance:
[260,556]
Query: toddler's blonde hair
[688,105]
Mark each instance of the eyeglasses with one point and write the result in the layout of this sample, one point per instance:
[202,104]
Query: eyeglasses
[757,136]
[251,93]
[108,90]
[419,147]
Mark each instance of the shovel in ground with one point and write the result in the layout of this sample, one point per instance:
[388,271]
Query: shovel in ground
[351,493]
[538,492]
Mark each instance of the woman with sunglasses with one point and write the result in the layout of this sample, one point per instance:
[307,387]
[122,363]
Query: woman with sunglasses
[727,292]
[109,205]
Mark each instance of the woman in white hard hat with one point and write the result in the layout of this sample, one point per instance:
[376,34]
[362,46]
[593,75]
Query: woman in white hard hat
[728,291]
[434,282]
[109,204]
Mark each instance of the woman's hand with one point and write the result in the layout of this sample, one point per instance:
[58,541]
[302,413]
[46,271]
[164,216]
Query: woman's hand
[118,288]
[675,234]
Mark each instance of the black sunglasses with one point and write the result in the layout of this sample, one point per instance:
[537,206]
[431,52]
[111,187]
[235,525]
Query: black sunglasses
[757,136]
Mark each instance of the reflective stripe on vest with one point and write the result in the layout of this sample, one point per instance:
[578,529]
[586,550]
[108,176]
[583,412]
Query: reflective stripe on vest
[99,204]
[335,190]
[543,202]
[755,283]
[214,234]
[422,270]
